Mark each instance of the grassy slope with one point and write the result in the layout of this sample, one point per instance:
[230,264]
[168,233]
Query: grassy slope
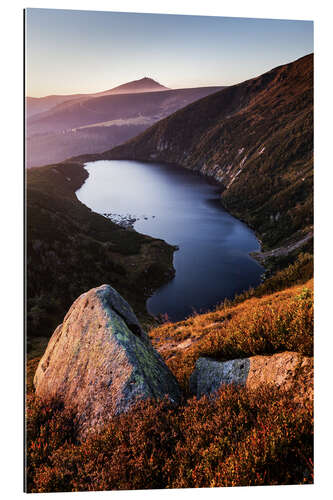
[282,321]
[71,249]
[256,139]
[227,441]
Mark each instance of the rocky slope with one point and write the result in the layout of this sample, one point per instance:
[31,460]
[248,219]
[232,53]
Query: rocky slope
[100,362]
[255,139]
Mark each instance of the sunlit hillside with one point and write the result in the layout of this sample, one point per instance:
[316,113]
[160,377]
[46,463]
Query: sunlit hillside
[239,437]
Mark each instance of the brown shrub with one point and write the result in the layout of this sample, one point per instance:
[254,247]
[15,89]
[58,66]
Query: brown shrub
[241,437]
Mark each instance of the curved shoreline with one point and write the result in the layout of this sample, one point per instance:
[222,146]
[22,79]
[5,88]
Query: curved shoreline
[79,249]
[180,184]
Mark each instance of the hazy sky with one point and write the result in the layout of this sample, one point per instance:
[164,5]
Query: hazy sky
[71,51]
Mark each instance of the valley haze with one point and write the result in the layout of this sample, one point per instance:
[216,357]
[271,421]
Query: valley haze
[59,127]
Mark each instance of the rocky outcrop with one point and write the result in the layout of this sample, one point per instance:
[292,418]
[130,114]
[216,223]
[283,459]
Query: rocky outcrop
[99,361]
[286,370]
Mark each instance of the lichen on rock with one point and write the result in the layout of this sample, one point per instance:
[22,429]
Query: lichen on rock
[99,361]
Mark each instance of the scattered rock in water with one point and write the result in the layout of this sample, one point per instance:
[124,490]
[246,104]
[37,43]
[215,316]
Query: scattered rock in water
[125,221]
[99,361]
[286,370]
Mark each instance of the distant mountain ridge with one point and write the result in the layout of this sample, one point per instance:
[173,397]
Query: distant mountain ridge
[93,123]
[256,139]
[35,105]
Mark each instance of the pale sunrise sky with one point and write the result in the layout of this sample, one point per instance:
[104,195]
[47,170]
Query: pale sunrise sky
[71,51]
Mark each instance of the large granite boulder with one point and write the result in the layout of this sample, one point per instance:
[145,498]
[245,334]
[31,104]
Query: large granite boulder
[99,361]
[286,370]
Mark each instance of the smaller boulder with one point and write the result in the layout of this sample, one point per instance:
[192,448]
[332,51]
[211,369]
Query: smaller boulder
[209,375]
[285,370]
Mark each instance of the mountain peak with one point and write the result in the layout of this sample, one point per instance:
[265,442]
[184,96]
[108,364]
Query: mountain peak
[144,84]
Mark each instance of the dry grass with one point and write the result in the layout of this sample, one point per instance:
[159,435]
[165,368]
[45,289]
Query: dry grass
[266,325]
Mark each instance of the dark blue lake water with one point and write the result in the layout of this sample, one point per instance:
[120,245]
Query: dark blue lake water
[182,208]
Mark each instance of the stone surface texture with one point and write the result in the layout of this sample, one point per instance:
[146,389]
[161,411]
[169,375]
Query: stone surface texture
[99,361]
[286,370]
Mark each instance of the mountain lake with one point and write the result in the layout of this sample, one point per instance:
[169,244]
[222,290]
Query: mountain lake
[182,208]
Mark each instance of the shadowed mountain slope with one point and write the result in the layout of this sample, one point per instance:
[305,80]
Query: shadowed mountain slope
[255,139]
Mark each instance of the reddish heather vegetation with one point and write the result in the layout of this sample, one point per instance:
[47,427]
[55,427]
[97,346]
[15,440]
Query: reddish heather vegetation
[240,437]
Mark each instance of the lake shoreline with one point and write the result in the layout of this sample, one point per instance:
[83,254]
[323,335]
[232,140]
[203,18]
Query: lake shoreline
[180,180]
[97,251]
[83,159]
